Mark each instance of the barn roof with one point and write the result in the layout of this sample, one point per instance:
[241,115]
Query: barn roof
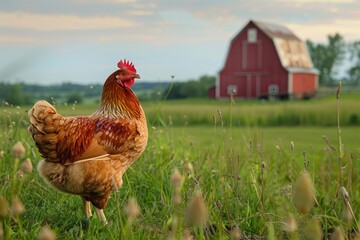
[275,31]
[292,52]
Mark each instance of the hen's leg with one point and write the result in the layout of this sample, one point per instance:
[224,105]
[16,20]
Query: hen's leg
[101,215]
[87,208]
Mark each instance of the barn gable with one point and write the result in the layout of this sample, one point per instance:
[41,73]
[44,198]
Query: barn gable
[265,59]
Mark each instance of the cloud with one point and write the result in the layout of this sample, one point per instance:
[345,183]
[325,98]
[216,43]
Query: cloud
[14,39]
[53,22]
[317,1]
[319,31]
[107,1]
[139,13]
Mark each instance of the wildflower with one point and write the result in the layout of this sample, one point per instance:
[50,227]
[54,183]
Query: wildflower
[304,193]
[176,179]
[17,208]
[290,224]
[4,207]
[132,208]
[46,233]
[235,234]
[18,150]
[196,212]
[338,234]
[313,230]
[26,166]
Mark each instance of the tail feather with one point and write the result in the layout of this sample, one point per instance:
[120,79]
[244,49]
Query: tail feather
[44,121]
[40,114]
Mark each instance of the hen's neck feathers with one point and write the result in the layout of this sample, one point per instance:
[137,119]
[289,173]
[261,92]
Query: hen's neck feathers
[118,101]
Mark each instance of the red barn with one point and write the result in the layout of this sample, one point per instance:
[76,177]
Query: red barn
[266,60]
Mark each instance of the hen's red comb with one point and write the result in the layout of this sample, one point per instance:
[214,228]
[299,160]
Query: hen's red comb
[126,65]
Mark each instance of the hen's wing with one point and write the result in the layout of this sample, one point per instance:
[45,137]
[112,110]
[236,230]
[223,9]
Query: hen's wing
[69,139]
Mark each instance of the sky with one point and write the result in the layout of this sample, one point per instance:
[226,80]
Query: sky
[81,41]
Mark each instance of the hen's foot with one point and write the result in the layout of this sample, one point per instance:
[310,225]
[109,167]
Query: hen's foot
[101,215]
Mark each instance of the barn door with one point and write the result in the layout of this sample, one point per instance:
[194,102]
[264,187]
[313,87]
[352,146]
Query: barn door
[252,56]
[253,85]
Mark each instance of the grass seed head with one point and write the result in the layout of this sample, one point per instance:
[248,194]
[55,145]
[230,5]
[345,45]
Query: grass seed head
[304,193]
[189,168]
[235,233]
[26,166]
[4,207]
[46,233]
[338,90]
[17,208]
[346,214]
[1,232]
[263,165]
[176,179]
[187,235]
[313,230]
[196,212]
[132,208]
[20,174]
[290,224]
[338,234]
[177,198]
[2,153]
[292,146]
[18,150]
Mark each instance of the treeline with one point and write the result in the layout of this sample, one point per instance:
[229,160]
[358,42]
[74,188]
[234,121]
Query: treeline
[328,57]
[190,89]
[27,94]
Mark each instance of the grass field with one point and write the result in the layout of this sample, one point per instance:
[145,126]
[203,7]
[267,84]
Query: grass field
[251,178]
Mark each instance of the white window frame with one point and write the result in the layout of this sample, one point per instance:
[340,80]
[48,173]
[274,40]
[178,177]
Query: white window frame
[252,35]
[273,89]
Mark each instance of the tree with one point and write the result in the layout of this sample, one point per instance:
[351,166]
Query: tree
[15,95]
[354,71]
[327,56]
[74,98]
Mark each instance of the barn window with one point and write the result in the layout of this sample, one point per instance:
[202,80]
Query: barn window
[252,35]
[273,89]
[232,90]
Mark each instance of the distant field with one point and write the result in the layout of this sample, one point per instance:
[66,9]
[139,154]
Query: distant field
[243,113]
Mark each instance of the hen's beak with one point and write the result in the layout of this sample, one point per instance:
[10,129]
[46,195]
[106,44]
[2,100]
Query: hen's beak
[136,76]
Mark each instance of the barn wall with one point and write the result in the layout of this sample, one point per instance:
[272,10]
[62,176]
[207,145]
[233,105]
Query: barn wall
[304,83]
[252,66]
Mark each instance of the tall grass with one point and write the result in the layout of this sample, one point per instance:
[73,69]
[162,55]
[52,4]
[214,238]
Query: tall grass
[234,186]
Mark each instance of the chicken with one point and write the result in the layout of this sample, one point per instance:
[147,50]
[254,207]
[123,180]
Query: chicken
[88,155]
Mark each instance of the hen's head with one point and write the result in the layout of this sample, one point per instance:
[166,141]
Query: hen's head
[126,75]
